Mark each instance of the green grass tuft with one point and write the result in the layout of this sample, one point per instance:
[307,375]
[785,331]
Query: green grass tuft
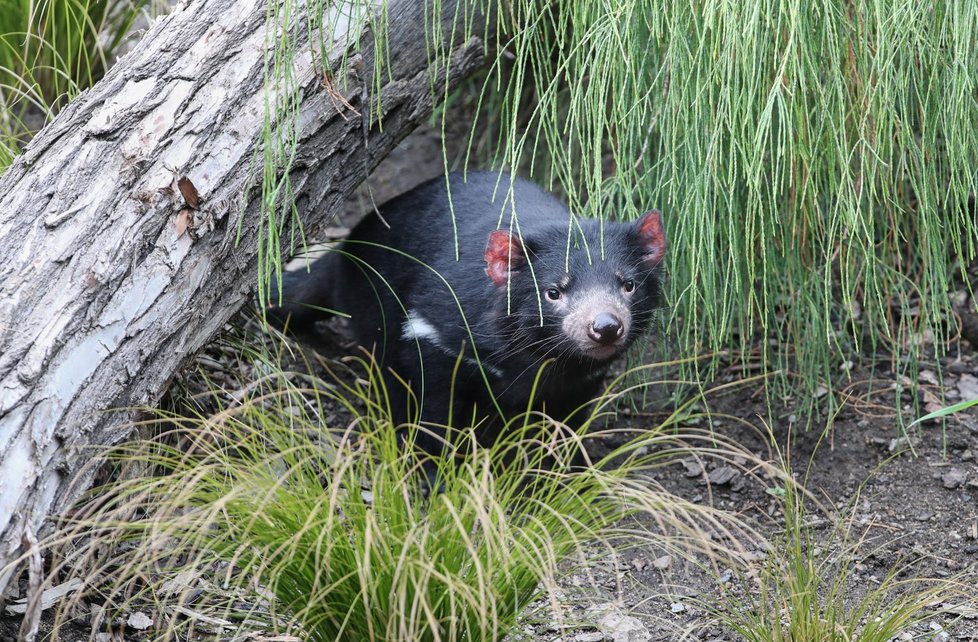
[298,509]
[51,50]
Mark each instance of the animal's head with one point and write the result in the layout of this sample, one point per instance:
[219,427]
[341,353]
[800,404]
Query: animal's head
[594,292]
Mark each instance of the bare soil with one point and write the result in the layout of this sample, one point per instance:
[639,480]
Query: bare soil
[905,499]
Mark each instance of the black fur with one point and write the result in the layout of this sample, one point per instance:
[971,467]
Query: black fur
[375,279]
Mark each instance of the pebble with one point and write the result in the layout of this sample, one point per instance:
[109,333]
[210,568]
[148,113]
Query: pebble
[662,563]
[968,386]
[941,634]
[899,442]
[677,607]
[954,478]
[960,367]
[694,467]
[623,628]
[139,621]
[722,475]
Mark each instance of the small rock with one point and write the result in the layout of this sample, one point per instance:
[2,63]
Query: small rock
[139,621]
[694,467]
[662,563]
[959,367]
[924,338]
[640,564]
[924,516]
[594,636]
[968,386]
[722,475]
[954,478]
[623,628]
[182,582]
[900,443]
[677,607]
[941,634]
[738,484]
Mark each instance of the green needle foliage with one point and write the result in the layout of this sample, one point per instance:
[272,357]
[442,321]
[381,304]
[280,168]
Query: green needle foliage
[814,160]
[300,509]
[50,50]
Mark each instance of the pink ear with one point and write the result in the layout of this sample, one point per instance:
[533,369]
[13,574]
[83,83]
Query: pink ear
[504,254]
[652,237]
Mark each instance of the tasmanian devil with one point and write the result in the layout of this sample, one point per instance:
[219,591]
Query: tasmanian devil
[486,295]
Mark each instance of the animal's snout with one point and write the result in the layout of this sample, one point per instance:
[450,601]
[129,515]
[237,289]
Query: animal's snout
[606,328]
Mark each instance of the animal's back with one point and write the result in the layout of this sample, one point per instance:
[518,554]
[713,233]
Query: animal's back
[425,252]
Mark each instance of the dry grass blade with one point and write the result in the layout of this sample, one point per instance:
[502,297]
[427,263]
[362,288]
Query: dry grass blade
[264,518]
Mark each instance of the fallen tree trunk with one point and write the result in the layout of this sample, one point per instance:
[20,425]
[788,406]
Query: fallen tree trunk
[109,280]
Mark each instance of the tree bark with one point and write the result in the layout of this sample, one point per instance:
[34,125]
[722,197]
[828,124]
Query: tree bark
[109,282]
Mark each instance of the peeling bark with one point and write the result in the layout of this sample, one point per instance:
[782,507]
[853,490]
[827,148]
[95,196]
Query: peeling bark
[108,281]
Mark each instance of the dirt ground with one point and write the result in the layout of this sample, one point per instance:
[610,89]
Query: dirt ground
[917,493]
[906,499]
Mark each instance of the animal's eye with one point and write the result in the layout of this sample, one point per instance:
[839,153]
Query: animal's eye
[553,294]
[628,285]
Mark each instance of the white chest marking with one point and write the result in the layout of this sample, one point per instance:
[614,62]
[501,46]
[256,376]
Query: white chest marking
[416,326]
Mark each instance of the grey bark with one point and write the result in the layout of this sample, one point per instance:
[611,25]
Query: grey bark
[103,292]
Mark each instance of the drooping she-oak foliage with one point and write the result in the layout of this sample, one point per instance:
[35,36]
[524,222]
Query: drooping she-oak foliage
[815,160]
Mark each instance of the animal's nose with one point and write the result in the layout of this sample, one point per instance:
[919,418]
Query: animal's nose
[605,329]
